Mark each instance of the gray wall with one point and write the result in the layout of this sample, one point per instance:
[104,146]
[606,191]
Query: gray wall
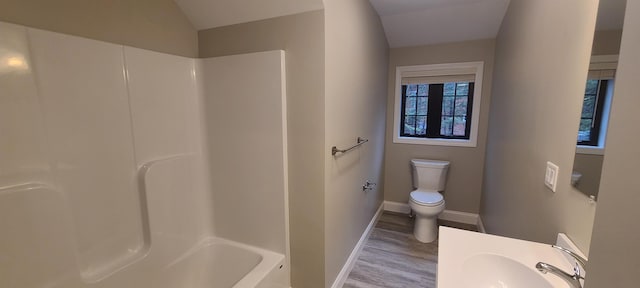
[467,163]
[302,37]
[614,253]
[590,166]
[355,103]
[606,42]
[540,71]
[157,25]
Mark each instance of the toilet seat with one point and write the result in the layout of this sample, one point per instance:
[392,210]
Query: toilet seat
[426,198]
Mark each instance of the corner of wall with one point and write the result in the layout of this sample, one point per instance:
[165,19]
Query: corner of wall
[356,61]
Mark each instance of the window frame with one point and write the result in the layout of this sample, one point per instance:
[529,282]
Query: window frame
[449,69]
[606,62]
[435,98]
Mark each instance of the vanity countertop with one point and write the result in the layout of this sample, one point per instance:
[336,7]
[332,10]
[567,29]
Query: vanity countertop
[460,249]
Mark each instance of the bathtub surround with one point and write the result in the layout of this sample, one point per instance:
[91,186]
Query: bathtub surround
[302,37]
[556,52]
[105,179]
[467,163]
[248,167]
[157,25]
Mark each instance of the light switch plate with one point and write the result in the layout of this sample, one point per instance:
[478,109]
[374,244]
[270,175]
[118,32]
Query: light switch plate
[551,176]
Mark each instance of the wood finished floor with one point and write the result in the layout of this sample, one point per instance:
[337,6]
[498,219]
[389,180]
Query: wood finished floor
[393,258]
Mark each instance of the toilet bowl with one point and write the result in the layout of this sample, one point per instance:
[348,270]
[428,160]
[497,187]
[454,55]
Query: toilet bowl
[426,205]
[429,177]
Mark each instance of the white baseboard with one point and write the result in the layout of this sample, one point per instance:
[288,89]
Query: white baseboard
[481,226]
[449,215]
[353,257]
[397,207]
[460,217]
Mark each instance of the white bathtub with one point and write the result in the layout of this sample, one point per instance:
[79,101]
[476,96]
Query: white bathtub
[220,263]
[166,261]
[212,263]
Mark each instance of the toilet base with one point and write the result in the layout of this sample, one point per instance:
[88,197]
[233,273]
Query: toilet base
[425,229]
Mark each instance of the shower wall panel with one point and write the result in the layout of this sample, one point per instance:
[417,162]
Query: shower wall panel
[246,124]
[36,237]
[83,94]
[82,123]
[168,139]
[22,146]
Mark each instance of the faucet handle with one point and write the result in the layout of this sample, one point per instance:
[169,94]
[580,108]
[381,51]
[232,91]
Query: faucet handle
[577,271]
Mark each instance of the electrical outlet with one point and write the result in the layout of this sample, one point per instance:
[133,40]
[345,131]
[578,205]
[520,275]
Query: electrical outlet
[551,176]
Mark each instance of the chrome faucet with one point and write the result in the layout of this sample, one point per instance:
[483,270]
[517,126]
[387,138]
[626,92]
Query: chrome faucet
[573,280]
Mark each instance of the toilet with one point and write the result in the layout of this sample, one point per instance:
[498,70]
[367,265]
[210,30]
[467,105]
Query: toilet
[429,179]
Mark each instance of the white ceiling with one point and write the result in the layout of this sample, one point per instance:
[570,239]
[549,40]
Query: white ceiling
[610,14]
[406,22]
[424,22]
[206,14]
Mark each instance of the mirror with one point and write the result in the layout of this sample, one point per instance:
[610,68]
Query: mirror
[592,132]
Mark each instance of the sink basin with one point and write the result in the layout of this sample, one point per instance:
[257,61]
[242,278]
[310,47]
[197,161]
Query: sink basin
[475,260]
[495,271]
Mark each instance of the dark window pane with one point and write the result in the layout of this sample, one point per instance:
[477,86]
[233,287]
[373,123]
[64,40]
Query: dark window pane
[450,88]
[409,125]
[410,106]
[447,106]
[446,126]
[461,106]
[459,126]
[412,90]
[588,106]
[422,105]
[455,99]
[462,89]
[421,125]
[592,87]
[423,90]
[584,133]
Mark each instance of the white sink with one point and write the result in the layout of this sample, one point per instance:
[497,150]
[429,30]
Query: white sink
[496,271]
[475,260]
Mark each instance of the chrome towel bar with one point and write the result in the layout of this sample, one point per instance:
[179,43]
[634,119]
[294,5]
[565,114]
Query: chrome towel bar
[360,141]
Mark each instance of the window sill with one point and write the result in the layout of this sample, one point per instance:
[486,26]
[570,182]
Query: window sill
[591,150]
[435,141]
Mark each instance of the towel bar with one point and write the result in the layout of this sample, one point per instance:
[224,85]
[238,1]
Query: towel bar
[360,141]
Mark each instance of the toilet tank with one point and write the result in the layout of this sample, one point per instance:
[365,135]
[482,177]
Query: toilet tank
[429,174]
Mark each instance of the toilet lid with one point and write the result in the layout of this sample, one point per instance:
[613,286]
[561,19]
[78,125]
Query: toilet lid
[426,197]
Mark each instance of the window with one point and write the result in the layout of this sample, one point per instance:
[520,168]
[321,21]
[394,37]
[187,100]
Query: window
[597,101]
[592,111]
[438,110]
[438,104]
